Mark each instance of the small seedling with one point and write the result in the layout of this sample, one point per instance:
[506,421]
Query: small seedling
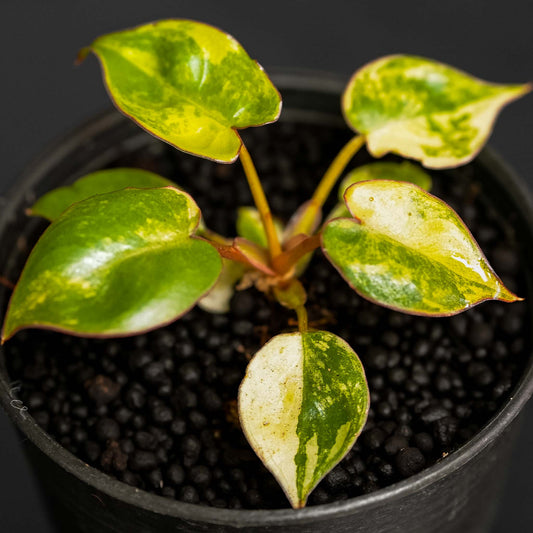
[127,251]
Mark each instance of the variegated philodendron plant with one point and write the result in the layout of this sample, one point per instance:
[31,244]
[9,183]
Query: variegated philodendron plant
[127,251]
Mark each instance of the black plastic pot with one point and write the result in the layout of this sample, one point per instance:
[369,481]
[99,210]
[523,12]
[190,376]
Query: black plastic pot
[451,496]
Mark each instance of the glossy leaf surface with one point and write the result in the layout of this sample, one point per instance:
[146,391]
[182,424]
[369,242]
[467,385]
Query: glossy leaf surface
[302,404]
[187,83]
[409,251]
[423,109]
[115,264]
[250,226]
[52,204]
[380,170]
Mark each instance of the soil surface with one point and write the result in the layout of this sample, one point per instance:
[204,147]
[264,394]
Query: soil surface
[158,411]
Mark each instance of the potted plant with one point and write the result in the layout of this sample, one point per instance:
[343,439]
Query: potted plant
[118,261]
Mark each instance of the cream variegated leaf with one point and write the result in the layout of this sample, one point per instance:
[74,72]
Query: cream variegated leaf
[408,250]
[302,404]
[423,109]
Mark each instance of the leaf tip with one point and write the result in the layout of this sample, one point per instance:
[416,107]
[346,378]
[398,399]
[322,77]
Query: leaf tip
[82,54]
[6,334]
[299,503]
[508,296]
[524,89]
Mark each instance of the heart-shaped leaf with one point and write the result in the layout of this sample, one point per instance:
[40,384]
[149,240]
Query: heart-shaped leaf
[423,109]
[52,204]
[380,170]
[115,264]
[302,404]
[250,226]
[409,251]
[187,83]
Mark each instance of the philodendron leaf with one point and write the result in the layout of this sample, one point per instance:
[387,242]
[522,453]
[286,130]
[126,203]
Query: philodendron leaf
[250,226]
[115,264]
[409,251]
[302,404]
[384,170]
[52,204]
[187,83]
[423,109]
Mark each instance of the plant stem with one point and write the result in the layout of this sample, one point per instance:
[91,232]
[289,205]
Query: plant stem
[335,169]
[301,312]
[260,202]
[314,206]
[289,258]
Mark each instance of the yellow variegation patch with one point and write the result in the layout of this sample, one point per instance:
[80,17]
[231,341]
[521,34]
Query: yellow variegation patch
[188,83]
[302,404]
[423,109]
[410,251]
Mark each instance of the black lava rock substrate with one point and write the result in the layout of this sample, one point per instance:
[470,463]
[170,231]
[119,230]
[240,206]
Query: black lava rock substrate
[158,411]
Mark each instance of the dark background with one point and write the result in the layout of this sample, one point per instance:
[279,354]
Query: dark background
[43,96]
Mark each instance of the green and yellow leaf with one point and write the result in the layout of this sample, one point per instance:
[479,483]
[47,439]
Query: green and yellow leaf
[53,203]
[188,83]
[380,170]
[423,109]
[302,404]
[250,226]
[115,264]
[408,250]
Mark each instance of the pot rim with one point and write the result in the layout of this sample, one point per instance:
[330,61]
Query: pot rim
[288,80]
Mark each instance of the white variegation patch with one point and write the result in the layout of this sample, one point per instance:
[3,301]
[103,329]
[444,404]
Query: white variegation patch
[270,398]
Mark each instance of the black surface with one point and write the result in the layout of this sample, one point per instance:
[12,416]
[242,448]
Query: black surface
[44,95]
